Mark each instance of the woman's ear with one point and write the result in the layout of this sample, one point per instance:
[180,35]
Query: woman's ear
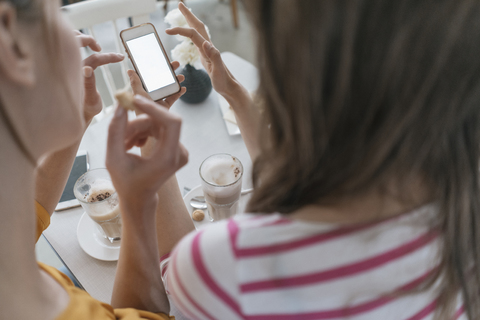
[16,56]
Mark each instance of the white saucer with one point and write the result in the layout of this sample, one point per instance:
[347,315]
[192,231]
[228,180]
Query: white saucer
[94,243]
[197,191]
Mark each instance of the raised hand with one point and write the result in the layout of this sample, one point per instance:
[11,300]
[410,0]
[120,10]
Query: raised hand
[137,179]
[222,80]
[92,100]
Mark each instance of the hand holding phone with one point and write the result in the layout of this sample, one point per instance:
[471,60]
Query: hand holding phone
[137,87]
[150,61]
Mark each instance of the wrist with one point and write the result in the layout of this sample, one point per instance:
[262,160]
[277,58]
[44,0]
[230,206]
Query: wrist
[138,212]
[237,95]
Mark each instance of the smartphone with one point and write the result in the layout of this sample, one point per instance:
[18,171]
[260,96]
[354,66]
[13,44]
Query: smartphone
[150,61]
[80,166]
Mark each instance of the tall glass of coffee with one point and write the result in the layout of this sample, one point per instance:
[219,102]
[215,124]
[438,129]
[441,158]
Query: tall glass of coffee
[221,177]
[94,190]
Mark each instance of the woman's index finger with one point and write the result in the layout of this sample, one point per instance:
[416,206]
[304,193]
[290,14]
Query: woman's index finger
[190,33]
[193,21]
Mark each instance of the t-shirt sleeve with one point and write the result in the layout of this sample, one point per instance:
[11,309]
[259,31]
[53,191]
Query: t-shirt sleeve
[134,314]
[200,277]
[164,263]
[43,219]
[83,306]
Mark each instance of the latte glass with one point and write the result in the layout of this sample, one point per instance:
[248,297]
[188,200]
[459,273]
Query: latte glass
[221,178]
[94,190]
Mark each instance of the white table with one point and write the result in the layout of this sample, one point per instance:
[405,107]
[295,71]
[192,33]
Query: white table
[203,133]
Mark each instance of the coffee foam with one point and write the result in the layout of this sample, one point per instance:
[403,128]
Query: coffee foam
[221,171]
[105,209]
[100,185]
[99,195]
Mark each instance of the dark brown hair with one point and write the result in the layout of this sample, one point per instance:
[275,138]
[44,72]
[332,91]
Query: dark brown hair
[358,93]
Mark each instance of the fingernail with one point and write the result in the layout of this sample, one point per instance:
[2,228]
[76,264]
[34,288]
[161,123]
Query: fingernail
[121,56]
[209,46]
[120,111]
[87,72]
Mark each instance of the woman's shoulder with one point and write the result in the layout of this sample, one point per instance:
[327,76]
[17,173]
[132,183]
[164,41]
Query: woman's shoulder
[277,233]
[214,233]
[218,236]
[253,230]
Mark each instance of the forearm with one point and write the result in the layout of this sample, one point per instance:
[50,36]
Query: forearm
[138,282]
[51,176]
[173,220]
[247,117]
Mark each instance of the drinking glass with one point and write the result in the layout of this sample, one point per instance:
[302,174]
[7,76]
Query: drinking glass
[221,196]
[94,190]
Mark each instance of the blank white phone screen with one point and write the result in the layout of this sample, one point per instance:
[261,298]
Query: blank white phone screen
[150,61]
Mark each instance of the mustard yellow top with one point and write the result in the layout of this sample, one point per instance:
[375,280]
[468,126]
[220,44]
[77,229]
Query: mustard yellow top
[82,305]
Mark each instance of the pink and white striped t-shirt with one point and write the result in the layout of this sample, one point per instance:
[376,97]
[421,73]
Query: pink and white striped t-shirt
[270,267]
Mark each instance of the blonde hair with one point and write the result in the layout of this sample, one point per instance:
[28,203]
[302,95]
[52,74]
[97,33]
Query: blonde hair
[32,12]
[27,11]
